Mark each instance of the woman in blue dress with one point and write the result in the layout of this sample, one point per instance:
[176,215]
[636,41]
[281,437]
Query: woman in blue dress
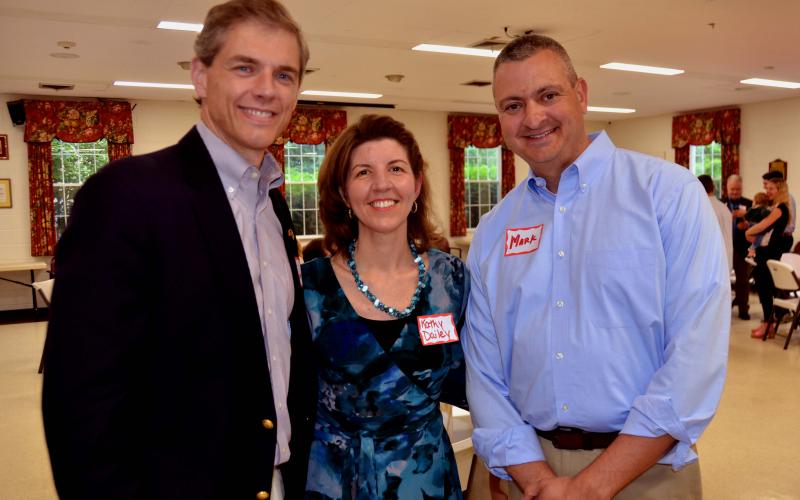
[386,313]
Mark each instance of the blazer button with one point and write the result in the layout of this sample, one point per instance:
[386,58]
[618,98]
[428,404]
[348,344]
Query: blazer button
[267,423]
[262,495]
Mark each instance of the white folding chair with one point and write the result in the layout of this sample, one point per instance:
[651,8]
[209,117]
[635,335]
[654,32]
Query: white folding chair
[793,260]
[45,289]
[786,281]
[458,424]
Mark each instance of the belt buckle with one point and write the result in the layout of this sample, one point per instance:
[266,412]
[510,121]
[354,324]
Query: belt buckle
[568,438]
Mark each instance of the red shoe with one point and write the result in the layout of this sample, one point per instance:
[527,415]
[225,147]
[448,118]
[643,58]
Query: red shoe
[759,332]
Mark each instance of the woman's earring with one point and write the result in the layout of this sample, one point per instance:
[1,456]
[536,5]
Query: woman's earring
[414,208]
[349,214]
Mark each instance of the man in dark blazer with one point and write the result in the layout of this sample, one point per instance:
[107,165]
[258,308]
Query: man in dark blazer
[174,324]
[739,205]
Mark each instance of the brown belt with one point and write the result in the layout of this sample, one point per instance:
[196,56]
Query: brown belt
[570,438]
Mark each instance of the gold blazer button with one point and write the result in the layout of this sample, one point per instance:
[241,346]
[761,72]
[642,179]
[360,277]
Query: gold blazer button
[267,423]
[262,495]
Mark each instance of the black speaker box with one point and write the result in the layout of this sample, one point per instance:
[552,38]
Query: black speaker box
[16,109]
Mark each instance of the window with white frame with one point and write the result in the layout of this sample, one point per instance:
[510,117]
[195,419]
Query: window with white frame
[707,160]
[302,162]
[481,182]
[73,163]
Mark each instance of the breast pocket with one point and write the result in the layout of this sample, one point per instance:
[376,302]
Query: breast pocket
[622,288]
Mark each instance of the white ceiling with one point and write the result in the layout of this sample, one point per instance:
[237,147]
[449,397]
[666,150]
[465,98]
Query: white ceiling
[355,43]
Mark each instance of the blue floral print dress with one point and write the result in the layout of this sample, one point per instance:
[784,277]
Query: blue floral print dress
[379,431]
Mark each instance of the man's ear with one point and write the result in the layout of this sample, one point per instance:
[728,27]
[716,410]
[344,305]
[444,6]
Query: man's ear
[199,73]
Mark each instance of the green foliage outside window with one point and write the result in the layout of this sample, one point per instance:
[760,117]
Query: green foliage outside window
[73,163]
[707,160]
[302,163]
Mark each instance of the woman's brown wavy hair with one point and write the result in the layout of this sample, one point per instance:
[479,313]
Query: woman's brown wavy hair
[340,229]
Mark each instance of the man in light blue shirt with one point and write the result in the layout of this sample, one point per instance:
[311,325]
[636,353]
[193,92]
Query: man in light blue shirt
[597,328]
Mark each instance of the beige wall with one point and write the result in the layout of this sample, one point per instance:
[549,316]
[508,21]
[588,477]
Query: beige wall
[770,130]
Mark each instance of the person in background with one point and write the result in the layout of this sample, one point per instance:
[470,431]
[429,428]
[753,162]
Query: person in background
[776,221]
[168,354]
[759,211]
[386,313]
[597,327]
[724,217]
[788,232]
[738,206]
[314,249]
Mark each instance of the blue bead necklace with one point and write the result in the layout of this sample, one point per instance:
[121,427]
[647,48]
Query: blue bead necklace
[363,288]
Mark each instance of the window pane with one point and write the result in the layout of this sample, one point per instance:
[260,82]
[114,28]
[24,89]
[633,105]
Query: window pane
[472,193]
[493,195]
[297,221]
[474,216]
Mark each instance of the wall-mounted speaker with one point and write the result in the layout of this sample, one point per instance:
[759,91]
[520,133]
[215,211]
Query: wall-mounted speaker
[16,109]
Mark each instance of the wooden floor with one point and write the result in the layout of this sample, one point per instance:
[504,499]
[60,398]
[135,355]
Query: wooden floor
[749,451]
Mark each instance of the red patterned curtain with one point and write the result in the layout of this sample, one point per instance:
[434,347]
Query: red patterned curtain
[70,121]
[699,129]
[310,126]
[481,131]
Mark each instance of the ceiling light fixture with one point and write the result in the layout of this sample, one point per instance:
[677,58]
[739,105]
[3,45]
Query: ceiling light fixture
[771,83]
[120,83]
[330,93]
[638,68]
[176,25]
[601,109]
[449,49]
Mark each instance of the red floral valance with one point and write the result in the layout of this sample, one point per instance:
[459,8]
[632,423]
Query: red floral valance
[699,129]
[314,126]
[473,130]
[78,121]
[481,131]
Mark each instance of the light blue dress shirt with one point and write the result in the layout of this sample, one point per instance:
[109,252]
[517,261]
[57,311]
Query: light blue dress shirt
[247,188]
[617,322]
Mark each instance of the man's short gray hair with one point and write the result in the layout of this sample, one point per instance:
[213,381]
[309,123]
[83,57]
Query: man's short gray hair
[526,46]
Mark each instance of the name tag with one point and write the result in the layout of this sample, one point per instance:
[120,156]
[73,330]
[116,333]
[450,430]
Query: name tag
[522,240]
[437,329]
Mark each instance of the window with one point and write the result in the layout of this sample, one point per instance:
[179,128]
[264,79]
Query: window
[481,182]
[73,163]
[708,160]
[302,167]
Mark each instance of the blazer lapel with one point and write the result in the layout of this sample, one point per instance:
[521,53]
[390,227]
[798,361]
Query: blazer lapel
[218,226]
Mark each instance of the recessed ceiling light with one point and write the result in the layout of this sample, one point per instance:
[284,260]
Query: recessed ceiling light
[120,83]
[449,49]
[175,25]
[600,109]
[330,93]
[64,55]
[638,68]
[771,83]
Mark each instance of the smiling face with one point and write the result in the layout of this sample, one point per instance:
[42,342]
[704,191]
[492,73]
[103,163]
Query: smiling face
[541,111]
[249,91]
[381,187]
[771,189]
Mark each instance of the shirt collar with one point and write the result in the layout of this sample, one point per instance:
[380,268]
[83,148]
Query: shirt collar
[594,159]
[230,165]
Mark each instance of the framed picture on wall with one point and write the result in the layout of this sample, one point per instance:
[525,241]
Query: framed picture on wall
[3,147]
[5,193]
[778,165]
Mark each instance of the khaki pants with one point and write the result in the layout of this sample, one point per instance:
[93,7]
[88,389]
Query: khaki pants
[659,482]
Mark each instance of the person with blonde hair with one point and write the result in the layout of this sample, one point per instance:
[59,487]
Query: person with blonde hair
[776,221]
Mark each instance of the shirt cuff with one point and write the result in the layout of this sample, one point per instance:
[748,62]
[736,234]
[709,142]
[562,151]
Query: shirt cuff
[654,416]
[507,446]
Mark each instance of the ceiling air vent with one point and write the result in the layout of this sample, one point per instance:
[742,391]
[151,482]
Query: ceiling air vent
[491,43]
[477,83]
[57,86]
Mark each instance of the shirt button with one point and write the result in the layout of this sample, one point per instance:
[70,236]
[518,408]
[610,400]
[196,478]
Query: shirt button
[561,253]
[584,186]
[559,355]
[564,407]
[284,450]
[562,209]
[254,175]
[559,304]
[280,406]
[540,182]
[274,358]
[231,189]
[269,311]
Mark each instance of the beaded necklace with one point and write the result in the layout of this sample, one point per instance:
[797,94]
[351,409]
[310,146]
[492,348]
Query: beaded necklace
[363,288]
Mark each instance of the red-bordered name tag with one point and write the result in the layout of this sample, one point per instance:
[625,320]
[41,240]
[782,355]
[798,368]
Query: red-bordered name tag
[437,329]
[521,240]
